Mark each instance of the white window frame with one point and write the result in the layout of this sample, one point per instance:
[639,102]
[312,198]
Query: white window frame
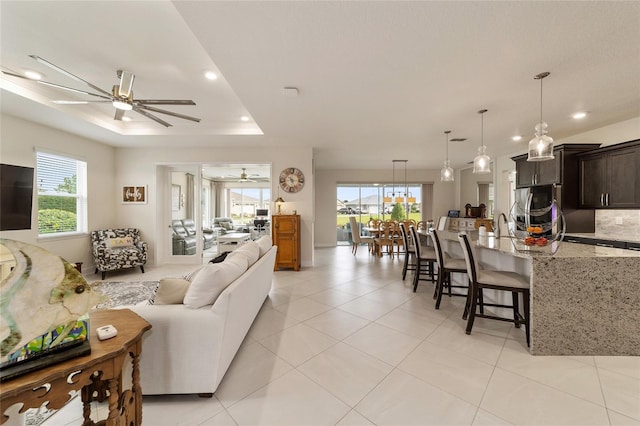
[81,195]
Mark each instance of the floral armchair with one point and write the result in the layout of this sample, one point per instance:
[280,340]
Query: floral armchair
[115,249]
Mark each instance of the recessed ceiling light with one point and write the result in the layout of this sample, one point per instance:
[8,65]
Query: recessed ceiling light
[33,75]
[579,115]
[516,138]
[210,75]
[244,118]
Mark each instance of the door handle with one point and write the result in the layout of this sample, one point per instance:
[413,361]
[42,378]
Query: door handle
[602,199]
[607,198]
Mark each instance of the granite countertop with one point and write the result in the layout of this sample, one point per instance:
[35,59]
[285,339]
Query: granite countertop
[505,245]
[631,238]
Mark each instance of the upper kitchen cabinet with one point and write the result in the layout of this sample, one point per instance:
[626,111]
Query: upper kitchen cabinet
[534,173]
[610,177]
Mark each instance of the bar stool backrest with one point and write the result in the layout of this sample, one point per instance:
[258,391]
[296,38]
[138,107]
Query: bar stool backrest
[469,257]
[436,244]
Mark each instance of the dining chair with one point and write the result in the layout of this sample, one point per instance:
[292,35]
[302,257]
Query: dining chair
[409,252]
[422,226]
[425,258]
[385,238]
[446,266]
[506,281]
[357,238]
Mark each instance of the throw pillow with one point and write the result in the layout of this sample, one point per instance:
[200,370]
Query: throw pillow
[170,291]
[264,244]
[252,251]
[226,225]
[241,259]
[209,282]
[120,242]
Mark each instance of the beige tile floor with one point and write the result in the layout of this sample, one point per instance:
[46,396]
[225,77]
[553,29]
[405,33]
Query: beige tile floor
[347,342]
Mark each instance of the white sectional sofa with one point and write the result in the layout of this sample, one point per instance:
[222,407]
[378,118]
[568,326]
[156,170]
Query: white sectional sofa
[188,350]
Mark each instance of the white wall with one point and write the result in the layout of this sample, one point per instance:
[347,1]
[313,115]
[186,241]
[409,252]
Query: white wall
[444,196]
[20,138]
[138,165]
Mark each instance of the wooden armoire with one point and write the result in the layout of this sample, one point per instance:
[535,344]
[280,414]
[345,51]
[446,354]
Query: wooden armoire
[285,230]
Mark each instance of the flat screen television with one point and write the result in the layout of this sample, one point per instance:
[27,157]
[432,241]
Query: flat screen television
[16,197]
[262,212]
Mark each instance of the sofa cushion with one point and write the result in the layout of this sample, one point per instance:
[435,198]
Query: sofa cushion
[120,242]
[264,244]
[210,281]
[227,225]
[170,291]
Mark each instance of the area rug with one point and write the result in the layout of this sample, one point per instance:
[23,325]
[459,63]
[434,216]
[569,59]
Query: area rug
[121,293]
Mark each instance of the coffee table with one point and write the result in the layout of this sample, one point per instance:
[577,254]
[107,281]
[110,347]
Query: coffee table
[228,242]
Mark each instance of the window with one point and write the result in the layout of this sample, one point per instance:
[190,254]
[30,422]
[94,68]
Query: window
[367,201]
[245,202]
[62,194]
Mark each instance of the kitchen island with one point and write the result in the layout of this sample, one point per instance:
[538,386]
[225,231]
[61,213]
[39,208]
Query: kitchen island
[585,300]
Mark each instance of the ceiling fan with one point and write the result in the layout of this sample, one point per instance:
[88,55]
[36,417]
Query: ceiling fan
[121,95]
[244,177]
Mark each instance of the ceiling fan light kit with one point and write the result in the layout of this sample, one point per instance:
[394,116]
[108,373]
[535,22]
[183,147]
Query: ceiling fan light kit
[121,96]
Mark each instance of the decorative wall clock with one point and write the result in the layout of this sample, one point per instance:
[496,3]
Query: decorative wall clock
[291,180]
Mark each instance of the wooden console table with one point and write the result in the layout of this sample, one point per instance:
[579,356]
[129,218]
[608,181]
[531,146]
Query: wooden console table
[98,375]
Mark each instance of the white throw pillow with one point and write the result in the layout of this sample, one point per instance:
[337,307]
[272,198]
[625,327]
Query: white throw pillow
[252,251]
[209,282]
[264,244]
[170,291]
[239,258]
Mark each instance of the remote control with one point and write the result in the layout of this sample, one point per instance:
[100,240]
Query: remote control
[106,332]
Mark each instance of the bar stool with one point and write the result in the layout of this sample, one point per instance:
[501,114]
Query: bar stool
[447,265]
[409,251]
[494,280]
[425,259]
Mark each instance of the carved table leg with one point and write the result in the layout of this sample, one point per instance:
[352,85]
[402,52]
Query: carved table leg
[114,397]
[135,386]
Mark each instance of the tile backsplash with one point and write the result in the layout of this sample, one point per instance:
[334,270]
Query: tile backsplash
[618,223]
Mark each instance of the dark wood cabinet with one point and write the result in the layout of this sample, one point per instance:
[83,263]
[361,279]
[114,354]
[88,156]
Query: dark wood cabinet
[533,173]
[610,177]
[561,171]
[286,235]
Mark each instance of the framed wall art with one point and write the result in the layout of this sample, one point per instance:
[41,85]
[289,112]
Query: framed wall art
[134,194]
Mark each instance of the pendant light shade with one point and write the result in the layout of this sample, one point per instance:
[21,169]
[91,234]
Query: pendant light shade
[482,162]
[541,146]
[446,174]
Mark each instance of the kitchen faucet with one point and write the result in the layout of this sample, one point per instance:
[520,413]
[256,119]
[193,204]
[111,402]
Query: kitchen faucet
[496,227]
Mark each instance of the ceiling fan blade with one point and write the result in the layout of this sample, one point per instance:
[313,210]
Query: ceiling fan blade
[57,86]
[68,74]
[64,102]
[119,114]
[174,114]
[151,116]
[165,101]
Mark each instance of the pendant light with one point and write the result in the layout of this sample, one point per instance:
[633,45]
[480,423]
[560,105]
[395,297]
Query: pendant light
[410,198]
[446,174]
[399,199]
[482,162]
[541,146]
[387,198]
